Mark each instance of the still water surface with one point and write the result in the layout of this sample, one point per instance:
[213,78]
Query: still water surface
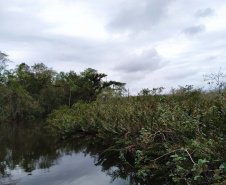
[30,156]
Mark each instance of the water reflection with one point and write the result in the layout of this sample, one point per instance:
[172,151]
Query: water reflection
[29,155]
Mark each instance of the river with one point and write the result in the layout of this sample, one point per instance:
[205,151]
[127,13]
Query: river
[29,155]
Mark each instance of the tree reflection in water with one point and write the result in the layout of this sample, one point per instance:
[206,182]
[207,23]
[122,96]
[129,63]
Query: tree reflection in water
[30,147]
[27,148]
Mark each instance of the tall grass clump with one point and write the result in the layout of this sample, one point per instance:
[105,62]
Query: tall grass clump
[180,137]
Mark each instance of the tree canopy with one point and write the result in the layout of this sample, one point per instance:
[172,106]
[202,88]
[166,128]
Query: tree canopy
[28,91]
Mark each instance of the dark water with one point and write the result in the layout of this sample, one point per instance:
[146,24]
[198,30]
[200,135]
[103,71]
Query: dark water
[30,156]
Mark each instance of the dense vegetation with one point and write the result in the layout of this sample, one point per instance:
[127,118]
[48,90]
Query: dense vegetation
[179,137]
[28,92]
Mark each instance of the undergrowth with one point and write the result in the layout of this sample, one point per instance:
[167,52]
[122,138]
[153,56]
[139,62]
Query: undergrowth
[178,137]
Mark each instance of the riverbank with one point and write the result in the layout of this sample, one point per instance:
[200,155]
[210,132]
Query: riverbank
[178,137]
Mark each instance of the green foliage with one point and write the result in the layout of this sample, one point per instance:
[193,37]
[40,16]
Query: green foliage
[17,104]
[180,136]
[34,91]
[3,60]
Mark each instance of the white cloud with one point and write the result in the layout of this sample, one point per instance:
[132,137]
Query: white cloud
[73,19]
[117,38]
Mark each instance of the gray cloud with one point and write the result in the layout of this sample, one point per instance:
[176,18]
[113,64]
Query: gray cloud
[180,74]
[22,25]
[204,12]
[210,58]
[139,16]
[192,30]
[27,36]
[148,60]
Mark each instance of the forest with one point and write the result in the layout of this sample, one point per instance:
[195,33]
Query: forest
[179,137]
[29,92]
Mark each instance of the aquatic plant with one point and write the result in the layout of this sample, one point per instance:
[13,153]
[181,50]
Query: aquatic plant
[180,136]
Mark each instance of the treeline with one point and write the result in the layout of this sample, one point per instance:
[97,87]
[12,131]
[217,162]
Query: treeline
[178,138]
[28,92]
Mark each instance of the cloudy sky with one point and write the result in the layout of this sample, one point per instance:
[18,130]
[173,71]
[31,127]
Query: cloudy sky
[144,43]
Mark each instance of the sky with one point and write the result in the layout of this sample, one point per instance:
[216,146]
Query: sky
[143,43]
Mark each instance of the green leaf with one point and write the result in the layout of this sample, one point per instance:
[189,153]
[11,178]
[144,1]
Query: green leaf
[210,142]
[200,162]
[175,179]
[196,177]
[174,155]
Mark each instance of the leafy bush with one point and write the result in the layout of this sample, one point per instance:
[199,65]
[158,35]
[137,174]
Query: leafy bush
[181,137]
[17,104]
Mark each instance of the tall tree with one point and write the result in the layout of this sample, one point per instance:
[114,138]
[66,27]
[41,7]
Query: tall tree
[3,60]
[93,83]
